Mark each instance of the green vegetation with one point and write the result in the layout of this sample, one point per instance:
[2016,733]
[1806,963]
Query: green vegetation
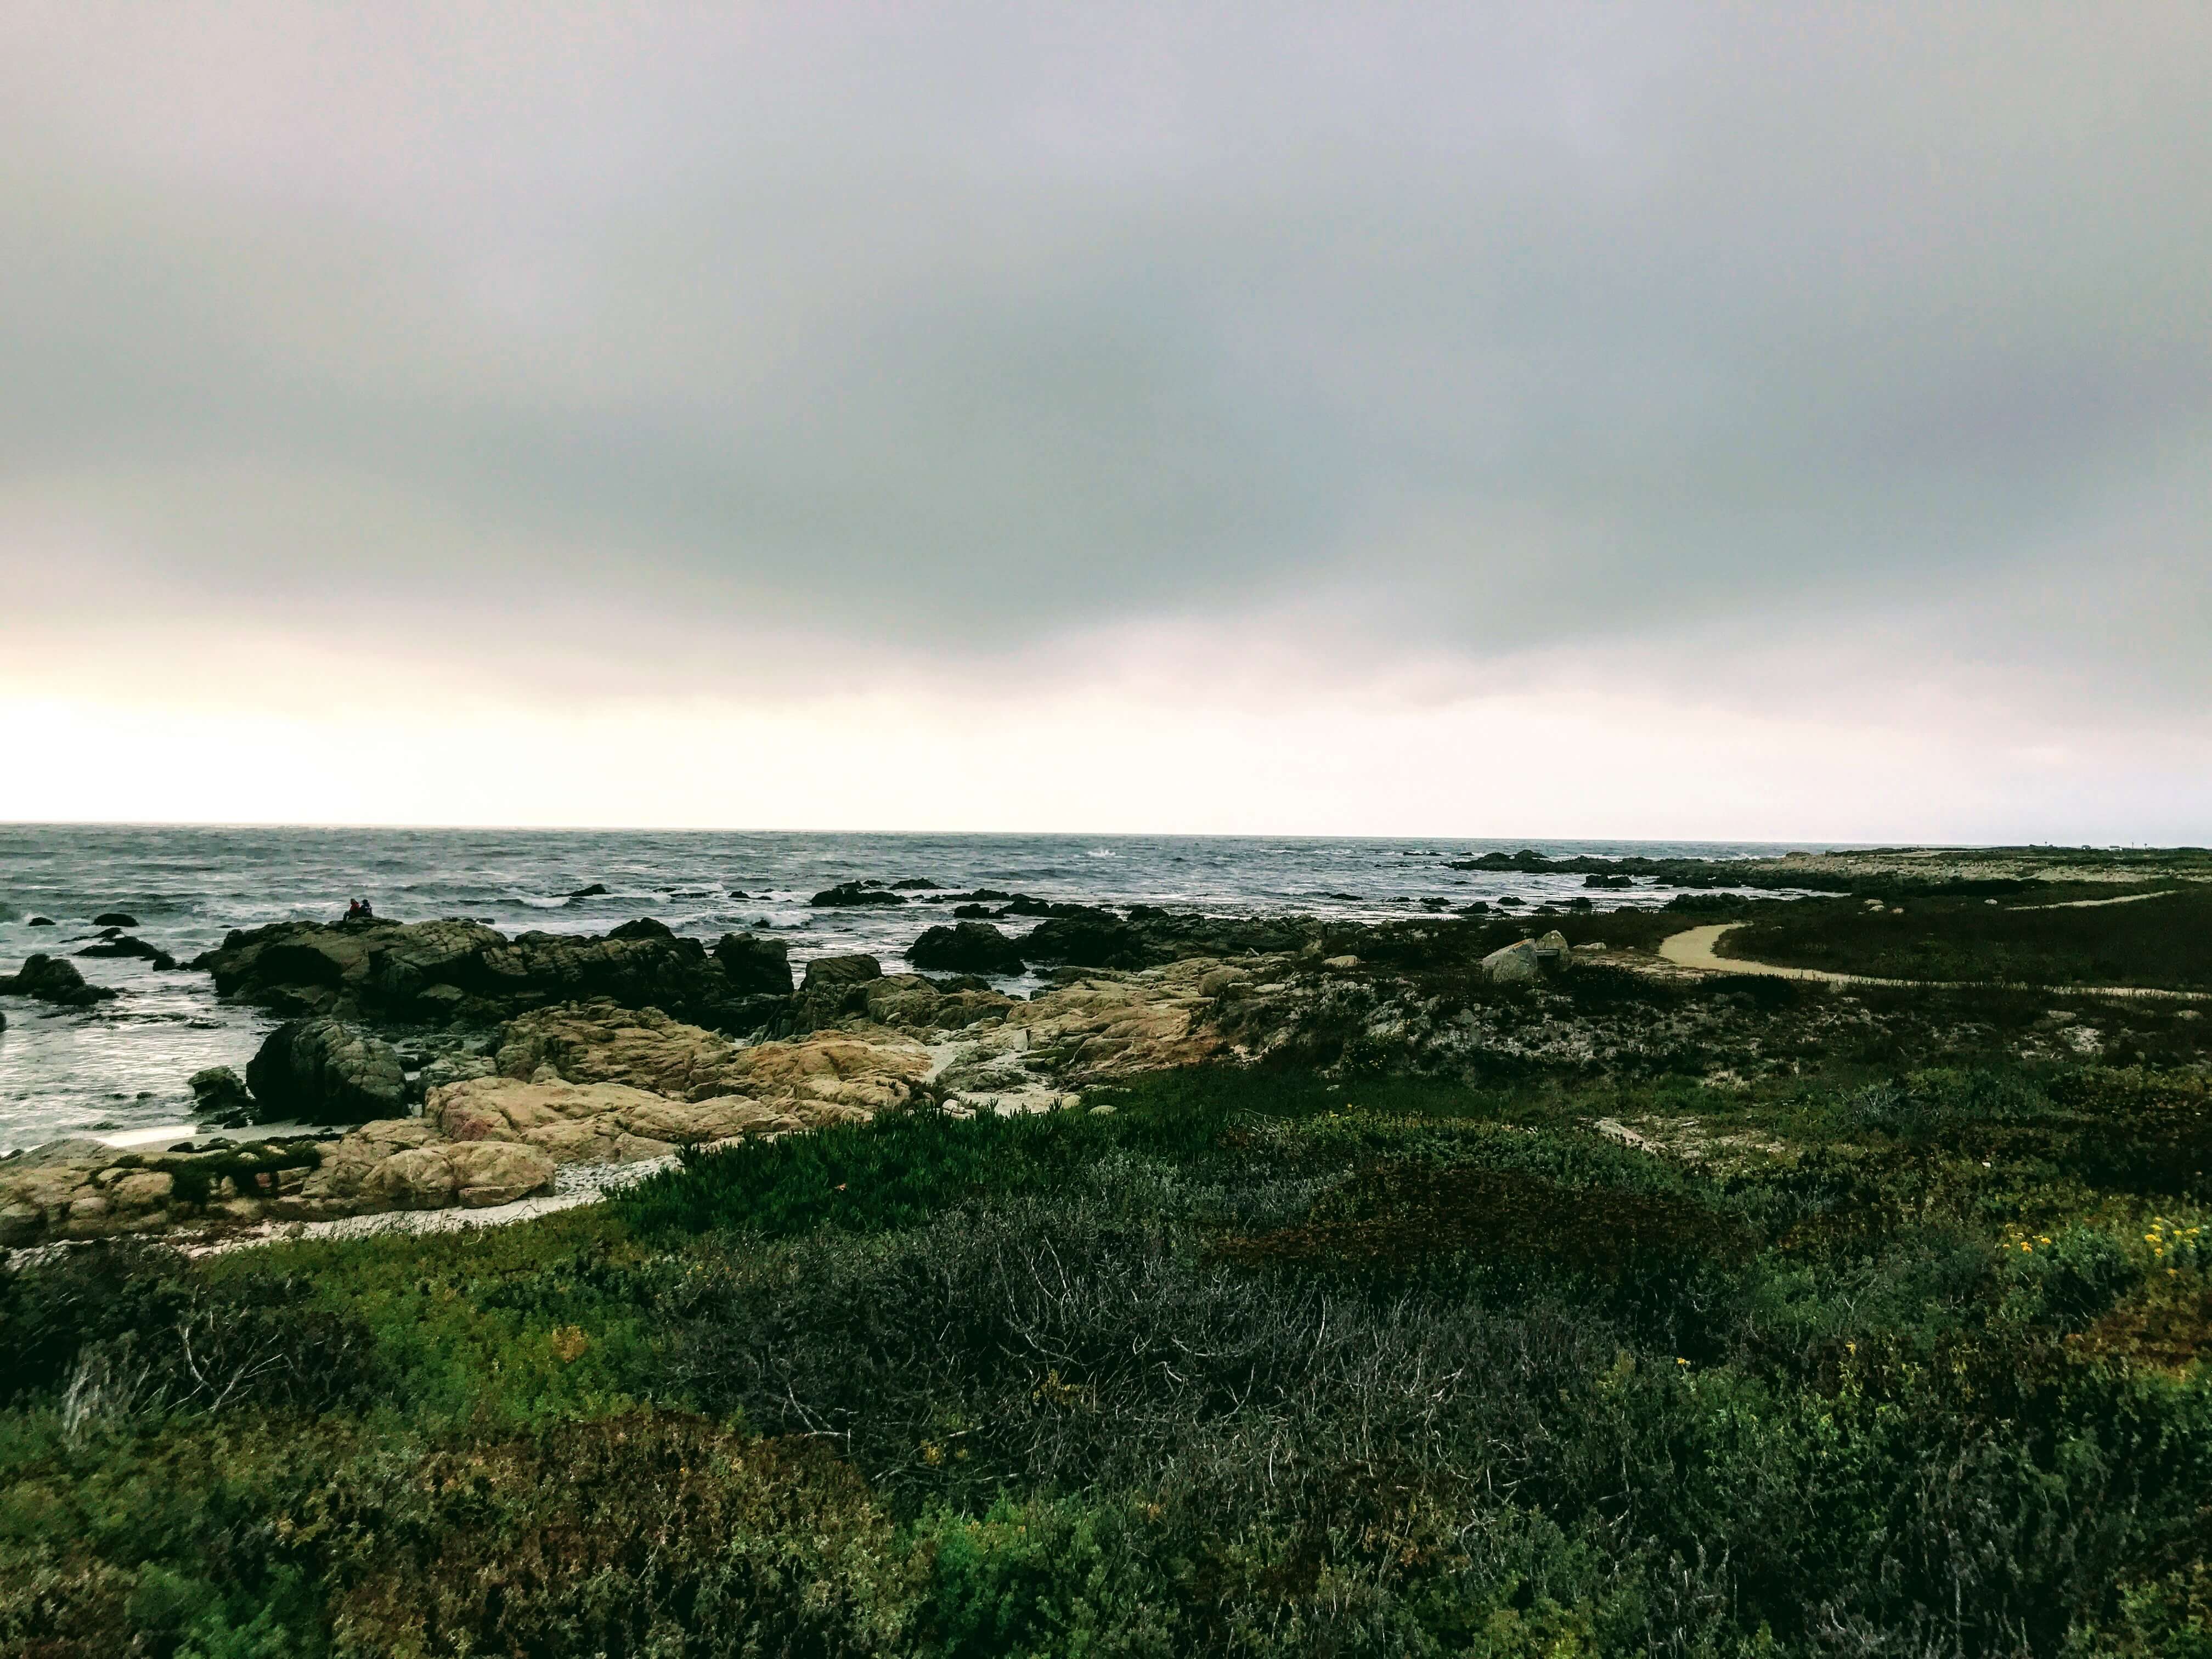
[1258,1363]
[2162,941]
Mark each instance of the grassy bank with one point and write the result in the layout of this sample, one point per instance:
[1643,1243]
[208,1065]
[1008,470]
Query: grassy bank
[2162,941]
[1253,1364]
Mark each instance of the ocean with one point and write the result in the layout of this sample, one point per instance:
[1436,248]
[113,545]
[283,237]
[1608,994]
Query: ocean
[123,1065]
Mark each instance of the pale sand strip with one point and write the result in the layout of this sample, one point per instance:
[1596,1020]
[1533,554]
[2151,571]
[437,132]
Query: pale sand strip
[1697,947]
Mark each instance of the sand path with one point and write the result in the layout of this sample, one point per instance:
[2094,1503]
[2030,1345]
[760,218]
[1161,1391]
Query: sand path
[2091,905]
[1698,948]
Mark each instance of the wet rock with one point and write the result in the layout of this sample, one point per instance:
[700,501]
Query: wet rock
[755,966]
[114,919]
[443,971]
[829,972]
[966,947]
[39,921]
[597,889]
[1151,937]
[220,1095]
[325,1071]
[1597,879]
[849,894]
[52,979]
[137,948]
[916,884]
[1024,904]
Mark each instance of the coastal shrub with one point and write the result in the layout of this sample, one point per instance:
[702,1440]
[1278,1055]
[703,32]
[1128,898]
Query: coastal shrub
[644,1533]
[120,1330]
[1398,1216]
[164,1541]
[2164,939]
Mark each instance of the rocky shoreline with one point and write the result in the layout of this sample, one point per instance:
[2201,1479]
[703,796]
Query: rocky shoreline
[456,1067]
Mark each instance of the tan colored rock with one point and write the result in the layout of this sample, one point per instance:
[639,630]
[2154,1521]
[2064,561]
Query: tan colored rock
[486,1173]
[605,1042]
[142,1189]
[1105,1027]
[476,1174]
[840,1074]
[908,1002]
[594,1122]
[843,1075]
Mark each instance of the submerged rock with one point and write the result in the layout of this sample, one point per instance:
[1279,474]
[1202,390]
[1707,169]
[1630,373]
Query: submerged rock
[131,947]
[849,894]
[324,1071]
[52,979]
[966,947]
[114,919]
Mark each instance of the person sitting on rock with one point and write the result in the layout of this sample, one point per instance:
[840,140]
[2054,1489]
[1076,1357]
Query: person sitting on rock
[367,915]
[353,911]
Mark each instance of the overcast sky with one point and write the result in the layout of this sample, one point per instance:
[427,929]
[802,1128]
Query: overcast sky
[1766,423]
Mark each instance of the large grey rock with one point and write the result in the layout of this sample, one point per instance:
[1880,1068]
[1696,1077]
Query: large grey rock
[1526,959]
[1514,964]
[324,1071]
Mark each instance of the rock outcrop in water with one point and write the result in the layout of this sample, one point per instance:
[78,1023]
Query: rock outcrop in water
[1150,937]
[849,895]
[52,979]
[966,947]
[440,972]
[137,948]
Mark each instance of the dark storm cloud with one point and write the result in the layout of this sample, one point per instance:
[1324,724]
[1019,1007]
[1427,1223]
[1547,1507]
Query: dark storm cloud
[1484,331]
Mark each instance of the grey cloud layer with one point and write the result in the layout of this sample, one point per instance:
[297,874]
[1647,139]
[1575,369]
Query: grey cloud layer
[1477,331]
